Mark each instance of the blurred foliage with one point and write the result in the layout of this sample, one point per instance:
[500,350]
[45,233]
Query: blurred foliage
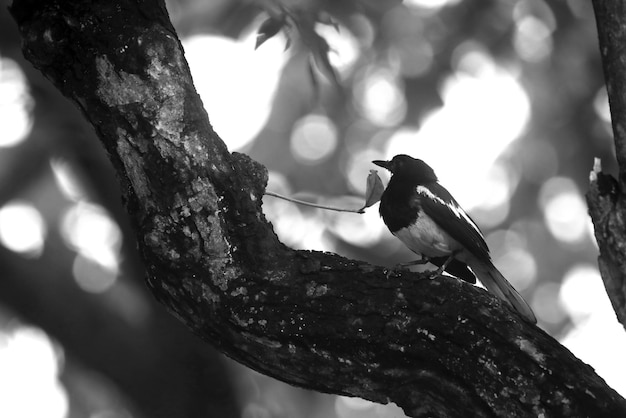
[132,345]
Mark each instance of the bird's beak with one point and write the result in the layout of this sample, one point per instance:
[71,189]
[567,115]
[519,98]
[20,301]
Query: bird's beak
[381,163]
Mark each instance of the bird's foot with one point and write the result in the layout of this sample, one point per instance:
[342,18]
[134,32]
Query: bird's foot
[436,273]
[433,274]
[407,266]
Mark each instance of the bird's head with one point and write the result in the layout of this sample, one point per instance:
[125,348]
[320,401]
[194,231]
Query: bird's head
[407,168]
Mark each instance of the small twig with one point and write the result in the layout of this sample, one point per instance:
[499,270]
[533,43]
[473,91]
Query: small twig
[314,205]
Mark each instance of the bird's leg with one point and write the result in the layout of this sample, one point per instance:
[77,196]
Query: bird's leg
[441,269]
[423,260]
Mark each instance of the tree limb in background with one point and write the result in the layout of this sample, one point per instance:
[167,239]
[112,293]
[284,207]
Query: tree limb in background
[606,198]
[435,347]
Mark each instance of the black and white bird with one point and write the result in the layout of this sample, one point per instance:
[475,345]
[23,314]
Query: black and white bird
[425,217]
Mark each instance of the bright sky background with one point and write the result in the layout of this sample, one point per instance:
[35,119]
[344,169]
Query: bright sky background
[485,110]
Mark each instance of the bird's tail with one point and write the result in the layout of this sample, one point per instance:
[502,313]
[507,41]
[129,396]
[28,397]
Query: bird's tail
[495,282]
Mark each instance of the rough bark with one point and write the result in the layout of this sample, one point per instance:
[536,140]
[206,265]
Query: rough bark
[436,347]
[606,197]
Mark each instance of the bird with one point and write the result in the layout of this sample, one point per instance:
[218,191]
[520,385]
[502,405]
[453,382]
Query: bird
[422,214]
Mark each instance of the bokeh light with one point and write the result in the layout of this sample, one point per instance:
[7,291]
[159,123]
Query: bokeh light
[361,230]
[538,9]
[601,104]
[91,276]
[494,195]
[519,267]
[22,228]
[582,292]
[411,52]
[238,87]
[534,24]
[346,407]
[379,97]
[545,303]
[430,4]
[313,139]
[30,366]
[533,39]
[91,232]
[67,180]
[15,104]
[511,255]
[596,337]
[343,46]
[564,210]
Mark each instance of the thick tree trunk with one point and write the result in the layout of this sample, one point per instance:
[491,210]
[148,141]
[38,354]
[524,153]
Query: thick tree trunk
[606,197]
[436,347]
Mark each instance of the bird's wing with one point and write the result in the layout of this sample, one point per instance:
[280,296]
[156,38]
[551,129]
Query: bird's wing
[439,204]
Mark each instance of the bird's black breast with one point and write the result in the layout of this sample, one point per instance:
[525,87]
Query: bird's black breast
[399,206]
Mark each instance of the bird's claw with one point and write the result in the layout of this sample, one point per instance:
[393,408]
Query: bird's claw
[433,274]
[407,267]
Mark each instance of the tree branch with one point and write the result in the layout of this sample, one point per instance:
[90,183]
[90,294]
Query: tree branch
[435,347]
[606,199]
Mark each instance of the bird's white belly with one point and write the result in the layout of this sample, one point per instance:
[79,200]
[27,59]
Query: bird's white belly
[427,238]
